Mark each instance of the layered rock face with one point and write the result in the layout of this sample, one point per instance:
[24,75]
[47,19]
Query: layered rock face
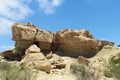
[27,34]
[78,42]
[67,42]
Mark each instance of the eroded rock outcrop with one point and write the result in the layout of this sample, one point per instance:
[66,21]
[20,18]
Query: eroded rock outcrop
[79,42]
[28,34]
[54,53]
[36,59]
[67,42]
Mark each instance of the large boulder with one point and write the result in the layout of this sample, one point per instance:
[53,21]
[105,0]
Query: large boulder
[23,32]
[27,34]
[30,32]
[10,55]
[42,65]
[35,59]
[78,42]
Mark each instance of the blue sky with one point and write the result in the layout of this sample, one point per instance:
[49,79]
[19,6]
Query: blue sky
[100,17]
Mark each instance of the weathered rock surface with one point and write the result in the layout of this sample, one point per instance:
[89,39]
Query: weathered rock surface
[42,65]
[33,49]
[28,34]
[100,62]
[9,55]
[83,60]
[68,42]
[33,57]
[48,56]
[78,42]
[21,46]
[44,36]
[36,59]
[23,32]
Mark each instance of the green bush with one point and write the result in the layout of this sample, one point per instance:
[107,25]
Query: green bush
[9,71]
[81,72]
[114,67]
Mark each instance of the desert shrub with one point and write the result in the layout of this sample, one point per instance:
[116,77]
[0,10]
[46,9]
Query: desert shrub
[9,71]
[82,73]
[114,67]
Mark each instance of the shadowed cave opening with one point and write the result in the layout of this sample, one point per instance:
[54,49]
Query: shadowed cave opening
[37,44]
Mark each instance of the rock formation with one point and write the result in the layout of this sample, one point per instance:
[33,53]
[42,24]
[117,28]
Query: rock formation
[67,42]
[28,34]
[66,54]
[36,59]
[78,42]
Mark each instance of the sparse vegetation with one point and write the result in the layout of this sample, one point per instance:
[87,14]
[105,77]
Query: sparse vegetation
[9,71]
[82,73]
[114,67]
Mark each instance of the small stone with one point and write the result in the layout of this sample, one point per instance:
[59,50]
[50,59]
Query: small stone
[60,65]
[83,60]
[48,56]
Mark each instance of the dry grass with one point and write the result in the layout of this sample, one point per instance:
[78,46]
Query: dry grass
[114,67]
[82,73]
[10,71]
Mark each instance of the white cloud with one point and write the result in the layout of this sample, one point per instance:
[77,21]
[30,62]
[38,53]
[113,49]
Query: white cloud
[15,10]
[48,6]
[12,11]
[5,26]
[6,47]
